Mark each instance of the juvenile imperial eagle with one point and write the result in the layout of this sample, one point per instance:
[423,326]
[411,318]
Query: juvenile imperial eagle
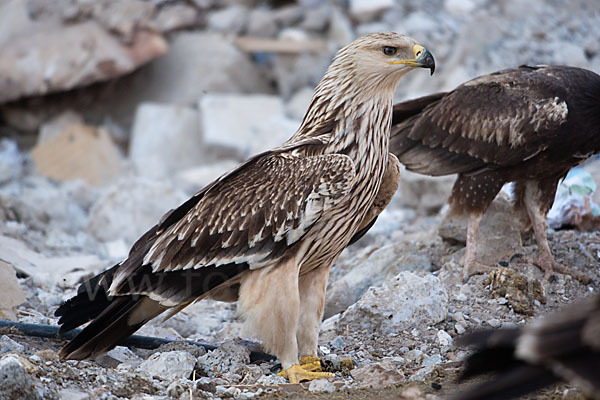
[563,347]
[527,125]
[267,232]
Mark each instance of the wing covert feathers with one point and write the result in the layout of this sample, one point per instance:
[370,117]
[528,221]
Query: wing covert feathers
[496,120]
[251,216]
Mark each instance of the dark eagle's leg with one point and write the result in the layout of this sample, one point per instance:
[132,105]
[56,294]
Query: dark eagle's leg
[537,198]
[471,265]
[472,195]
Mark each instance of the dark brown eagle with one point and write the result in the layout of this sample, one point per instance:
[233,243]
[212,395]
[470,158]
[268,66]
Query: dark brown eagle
[267,232]
[527,125]
[563,347]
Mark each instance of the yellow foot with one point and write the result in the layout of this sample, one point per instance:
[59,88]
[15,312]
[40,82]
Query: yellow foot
[311,363]
[297,374]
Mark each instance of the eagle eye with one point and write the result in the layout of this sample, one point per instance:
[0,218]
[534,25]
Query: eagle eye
[389,50]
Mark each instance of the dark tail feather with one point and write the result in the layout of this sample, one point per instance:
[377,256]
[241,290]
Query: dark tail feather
[510,384]
[122,317]
[113,318]
[91,299]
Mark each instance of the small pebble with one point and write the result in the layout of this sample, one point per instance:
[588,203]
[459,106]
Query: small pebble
[494,323]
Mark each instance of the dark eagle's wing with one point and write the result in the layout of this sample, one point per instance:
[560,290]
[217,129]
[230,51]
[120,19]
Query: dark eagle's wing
[496,120]
[565,346]
[250,217]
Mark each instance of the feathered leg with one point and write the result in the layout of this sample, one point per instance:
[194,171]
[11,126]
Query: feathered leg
[472,195]
[312,286]
[269,302]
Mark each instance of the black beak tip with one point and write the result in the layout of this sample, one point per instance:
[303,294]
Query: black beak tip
[427,61]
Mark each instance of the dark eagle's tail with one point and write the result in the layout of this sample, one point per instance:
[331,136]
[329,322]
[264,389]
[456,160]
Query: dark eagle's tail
[496,354]
[562,347]
[113,318]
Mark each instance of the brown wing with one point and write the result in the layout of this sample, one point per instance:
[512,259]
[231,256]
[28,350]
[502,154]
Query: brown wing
[492,121]
[251,216]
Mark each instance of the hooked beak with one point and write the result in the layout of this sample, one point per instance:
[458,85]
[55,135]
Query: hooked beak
[423,59]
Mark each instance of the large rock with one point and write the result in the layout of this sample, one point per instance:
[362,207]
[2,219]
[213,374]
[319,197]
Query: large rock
[130,207]
[248,123]
[51,58]
[17,379]
[400,304]
[45,270]
[499,231]
[79,152]
[381,266]
[165,139]
[378,375]
[425,193]
[11,294]
[197,63]
[229,360]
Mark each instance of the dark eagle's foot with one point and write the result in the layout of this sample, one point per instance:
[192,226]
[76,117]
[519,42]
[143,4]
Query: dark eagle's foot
[475,268]
[549,265]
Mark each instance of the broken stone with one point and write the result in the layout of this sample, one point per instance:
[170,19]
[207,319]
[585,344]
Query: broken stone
[169,365]
[193,179]
[11,294]
[59,124]
[259,124]
[176,16]
[45,271]
[520,291]
[198,62]
[7,345]
[382,265]
[130,207]
[261,23]
[72,394]
[165,139]
[79,152]
[321,385]
[232,19]
[432,360]
[400,304]
[499,231]
[366,10]
[16,383]
[229,360]
[60,58]
[11,161]
[377,375]
[340,29]
[297,106]
[444,339]
[424,193]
